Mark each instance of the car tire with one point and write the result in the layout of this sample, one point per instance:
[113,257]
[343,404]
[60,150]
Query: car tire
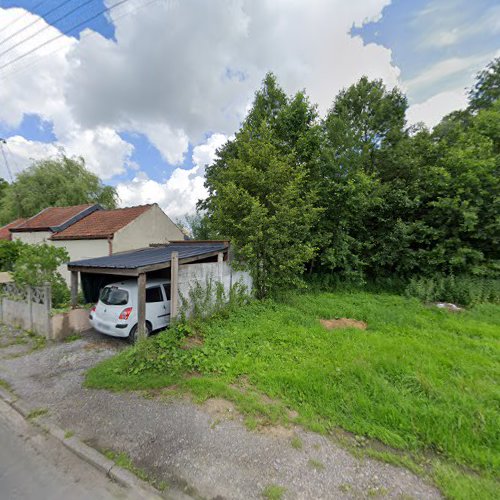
[132,336]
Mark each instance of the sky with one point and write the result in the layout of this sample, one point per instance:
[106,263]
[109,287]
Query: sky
[147,90]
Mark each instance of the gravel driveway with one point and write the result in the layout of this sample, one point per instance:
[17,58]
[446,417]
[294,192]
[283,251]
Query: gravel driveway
[205,451]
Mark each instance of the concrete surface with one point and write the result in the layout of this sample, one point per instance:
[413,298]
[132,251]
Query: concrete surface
[36,466]
[205,451]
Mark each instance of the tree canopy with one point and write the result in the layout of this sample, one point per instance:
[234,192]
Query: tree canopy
[54,182]
[360,194]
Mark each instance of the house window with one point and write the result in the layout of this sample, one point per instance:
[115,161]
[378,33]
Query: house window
[154,294]
[166,288]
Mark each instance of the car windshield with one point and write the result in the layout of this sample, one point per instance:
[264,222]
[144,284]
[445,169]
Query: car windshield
[114,296]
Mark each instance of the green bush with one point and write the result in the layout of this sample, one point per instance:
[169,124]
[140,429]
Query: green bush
[462,290]
[9,253]
[37,264]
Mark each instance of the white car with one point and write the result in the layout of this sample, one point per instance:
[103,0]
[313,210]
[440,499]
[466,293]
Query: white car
[115,313]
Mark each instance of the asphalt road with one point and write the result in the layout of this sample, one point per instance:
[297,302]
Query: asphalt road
[35,466]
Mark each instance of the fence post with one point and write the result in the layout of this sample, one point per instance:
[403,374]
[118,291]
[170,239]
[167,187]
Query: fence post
[29,298]
[47,300]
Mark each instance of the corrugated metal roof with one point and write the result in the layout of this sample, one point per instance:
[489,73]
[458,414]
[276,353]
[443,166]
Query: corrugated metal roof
[151,256]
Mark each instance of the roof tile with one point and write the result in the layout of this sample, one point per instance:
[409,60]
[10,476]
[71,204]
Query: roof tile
[101,224]
[52,217]
[5,233]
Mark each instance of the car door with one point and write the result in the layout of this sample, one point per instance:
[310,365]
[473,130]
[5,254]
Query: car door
[155,307]
[166,292]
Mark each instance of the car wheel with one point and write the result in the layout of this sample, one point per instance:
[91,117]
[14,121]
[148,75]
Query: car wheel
[132,336]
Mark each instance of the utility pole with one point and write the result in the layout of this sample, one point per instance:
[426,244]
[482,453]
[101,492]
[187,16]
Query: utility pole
[16,194]
[2,142]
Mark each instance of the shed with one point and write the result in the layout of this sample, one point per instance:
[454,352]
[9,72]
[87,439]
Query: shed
[159,260]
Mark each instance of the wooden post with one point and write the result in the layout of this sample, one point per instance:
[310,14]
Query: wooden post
[141,306]
[29,299]
[47,301]
[220,263]
[74,289]
[174,285]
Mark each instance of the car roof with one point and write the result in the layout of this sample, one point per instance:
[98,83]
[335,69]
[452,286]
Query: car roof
[132,284]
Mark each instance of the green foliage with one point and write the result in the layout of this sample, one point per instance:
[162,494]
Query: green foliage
[462,290]
[418,379]
[56,182]
[37,264]
[9,253]
[486,90]
[208,299]
[359,194]
[273,492]
[259,195]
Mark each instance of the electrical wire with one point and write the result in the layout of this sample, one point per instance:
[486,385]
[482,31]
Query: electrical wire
[23,15]
[37,20]
[53,39]
[47,26]
[33,63]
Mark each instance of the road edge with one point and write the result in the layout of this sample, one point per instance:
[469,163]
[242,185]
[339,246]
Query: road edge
[88,454]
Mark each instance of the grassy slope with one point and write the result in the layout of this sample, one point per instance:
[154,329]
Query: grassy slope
[418,379]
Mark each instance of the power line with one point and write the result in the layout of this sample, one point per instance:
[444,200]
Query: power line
[22,16]
[22,56]
[33,63]
[37,20]
[47,26]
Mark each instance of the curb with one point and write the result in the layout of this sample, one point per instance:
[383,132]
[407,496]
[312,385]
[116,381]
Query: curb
[87,453]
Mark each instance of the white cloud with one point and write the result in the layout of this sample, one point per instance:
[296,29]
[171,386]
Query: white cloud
[178,195]
[433,109]
[21,153]
[204,154]
[463,67]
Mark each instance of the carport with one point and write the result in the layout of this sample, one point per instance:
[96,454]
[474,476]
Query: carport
[138,263]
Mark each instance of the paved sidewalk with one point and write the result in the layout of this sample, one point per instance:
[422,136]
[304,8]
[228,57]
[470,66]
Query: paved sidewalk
[35,466]
[204,451]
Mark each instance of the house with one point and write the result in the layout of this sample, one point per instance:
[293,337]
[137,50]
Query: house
[40,227]
[88,231]
[5,233]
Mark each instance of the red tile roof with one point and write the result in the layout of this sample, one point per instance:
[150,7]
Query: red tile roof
[101,224]
[5,233]
[52,217]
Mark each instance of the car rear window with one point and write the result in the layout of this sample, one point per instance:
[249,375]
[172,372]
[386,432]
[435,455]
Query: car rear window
[114,296]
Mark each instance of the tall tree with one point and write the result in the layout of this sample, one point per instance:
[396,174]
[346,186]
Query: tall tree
[486,89]
[259,197]
[56,182]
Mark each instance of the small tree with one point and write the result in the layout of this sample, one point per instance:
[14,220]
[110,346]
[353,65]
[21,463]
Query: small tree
[9,253]
[37,264]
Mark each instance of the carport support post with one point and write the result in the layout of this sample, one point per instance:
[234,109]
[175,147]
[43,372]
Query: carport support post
[174,284]
[74,289]
[141,306]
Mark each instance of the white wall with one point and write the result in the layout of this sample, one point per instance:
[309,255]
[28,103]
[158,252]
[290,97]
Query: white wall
[33,237]
[153,226]
[189,274]
[81,249]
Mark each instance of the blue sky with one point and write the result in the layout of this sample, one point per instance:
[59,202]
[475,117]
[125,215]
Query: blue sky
[145,96]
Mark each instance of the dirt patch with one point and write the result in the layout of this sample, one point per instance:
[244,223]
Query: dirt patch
[191,342]
[99,345]
[219,408]
[277,431]
[330,324]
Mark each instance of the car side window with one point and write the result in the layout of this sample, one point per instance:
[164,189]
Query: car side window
[153,294]
[166,289]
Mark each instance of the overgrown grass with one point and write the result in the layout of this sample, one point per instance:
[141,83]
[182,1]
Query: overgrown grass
[419,379]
